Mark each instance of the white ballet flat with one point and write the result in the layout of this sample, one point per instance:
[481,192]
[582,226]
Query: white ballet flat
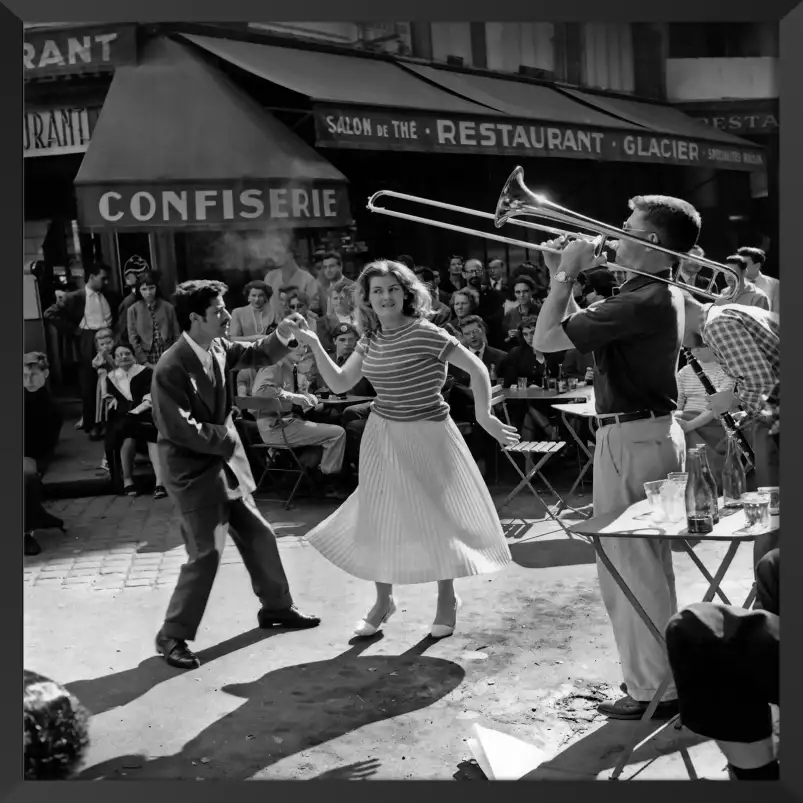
[444,631]
[365,628]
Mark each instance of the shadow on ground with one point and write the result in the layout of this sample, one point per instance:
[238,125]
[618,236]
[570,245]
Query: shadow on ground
[544,553]
[105,693]
[296,708]
[598,751]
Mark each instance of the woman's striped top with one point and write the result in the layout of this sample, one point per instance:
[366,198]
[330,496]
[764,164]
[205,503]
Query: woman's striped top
[691,393]
[407,367]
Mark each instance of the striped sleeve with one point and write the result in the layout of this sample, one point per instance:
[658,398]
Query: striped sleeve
[435,341]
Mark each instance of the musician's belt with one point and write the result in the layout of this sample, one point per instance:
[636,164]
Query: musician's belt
[624,418]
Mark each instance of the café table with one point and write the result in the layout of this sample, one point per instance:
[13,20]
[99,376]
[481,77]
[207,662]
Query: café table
[587,410]
[636,522]
[344,401]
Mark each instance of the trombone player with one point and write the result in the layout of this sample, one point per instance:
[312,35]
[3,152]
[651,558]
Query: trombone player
[636,338]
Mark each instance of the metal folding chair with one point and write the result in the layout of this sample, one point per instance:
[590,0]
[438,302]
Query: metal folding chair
[543,450]
[265,456]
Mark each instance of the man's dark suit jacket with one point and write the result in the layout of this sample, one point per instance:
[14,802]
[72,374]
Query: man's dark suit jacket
[68,313]
[490,356]
[197,436]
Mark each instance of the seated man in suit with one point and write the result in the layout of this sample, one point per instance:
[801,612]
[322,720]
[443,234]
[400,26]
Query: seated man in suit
[354,418]
[206,468]
[280,382]
[42,426]
[461,400]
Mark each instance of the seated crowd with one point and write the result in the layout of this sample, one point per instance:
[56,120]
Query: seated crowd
[490,309]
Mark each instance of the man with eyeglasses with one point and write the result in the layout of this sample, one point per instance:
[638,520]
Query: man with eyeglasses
[491,306]
[635,336]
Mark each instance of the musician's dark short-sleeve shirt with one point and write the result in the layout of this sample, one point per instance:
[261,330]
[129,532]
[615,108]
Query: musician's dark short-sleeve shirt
[635,337]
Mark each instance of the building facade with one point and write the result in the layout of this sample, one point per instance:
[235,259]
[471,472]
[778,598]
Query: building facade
[301,122]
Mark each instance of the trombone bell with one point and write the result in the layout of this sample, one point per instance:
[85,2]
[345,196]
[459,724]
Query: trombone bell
[515,198]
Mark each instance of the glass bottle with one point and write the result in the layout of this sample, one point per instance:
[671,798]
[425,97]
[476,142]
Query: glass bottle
[712,483]
[699,499]
[492,373]
[545,378]
[589,377]
[734,480]
[562,384]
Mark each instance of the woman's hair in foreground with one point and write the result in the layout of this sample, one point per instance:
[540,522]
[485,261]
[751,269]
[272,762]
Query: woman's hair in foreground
[54,731]
[417,300]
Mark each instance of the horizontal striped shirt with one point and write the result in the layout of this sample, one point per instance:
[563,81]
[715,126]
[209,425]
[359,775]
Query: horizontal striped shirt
[407,367]
[691,393]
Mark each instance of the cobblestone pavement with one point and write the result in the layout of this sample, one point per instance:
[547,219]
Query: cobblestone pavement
[115,542]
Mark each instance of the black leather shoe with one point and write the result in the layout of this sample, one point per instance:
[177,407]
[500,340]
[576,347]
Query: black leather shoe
[628,708]
[289,617]
[176,652]
[31,545]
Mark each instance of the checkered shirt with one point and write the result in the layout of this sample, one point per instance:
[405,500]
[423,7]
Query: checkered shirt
[746,342]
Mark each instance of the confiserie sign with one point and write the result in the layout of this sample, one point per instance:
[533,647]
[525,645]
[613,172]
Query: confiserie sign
[423,131]
[247,204]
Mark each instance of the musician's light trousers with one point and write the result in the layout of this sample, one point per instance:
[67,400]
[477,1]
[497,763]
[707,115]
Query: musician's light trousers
[626,456]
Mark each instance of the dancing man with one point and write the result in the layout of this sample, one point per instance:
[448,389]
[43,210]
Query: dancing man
[422,512]
[635,337]
[206,468]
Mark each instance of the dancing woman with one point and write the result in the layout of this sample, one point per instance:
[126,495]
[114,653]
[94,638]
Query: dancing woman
[422,512]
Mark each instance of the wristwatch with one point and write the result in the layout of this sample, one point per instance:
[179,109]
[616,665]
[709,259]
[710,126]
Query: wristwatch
[564,278]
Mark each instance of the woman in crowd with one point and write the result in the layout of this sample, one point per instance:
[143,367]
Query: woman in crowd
[422,512]
[526,307]
[55,729]
[464,303]
[299,302]
[251,322]
[694,414]
[130,423]
[152,322]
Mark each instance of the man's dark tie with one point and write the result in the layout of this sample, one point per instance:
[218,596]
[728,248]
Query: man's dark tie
[295,379]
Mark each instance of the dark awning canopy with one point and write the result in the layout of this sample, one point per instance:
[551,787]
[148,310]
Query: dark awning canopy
[364,102]
[178,145]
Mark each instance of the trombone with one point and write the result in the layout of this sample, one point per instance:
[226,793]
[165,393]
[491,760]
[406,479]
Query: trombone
[517,200]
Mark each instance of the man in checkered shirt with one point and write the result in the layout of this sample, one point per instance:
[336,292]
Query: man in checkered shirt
[746,342]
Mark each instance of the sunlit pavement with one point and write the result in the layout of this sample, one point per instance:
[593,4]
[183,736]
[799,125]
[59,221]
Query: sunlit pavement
[532,656]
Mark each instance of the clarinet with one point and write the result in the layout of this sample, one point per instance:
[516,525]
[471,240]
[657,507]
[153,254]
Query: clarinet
[727,419]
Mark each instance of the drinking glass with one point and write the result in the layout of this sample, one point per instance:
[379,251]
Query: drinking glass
[522,385]
[573,383]
[680,477]
[654,496]
[775,498]
[756,508]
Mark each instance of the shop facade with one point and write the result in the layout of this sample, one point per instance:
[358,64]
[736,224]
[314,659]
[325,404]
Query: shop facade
[289,142]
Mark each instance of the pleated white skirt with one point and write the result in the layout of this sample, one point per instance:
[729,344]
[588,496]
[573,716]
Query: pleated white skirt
[421,513]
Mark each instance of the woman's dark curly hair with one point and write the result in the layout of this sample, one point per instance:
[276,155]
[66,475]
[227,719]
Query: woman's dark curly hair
[54,729]
[417,300]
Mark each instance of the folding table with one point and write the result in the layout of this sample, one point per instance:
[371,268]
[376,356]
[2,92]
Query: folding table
[586,409]
[636,522]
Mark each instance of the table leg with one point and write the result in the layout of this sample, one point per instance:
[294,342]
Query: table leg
[579,441]
[659,636]
[722,570]
[701,566]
